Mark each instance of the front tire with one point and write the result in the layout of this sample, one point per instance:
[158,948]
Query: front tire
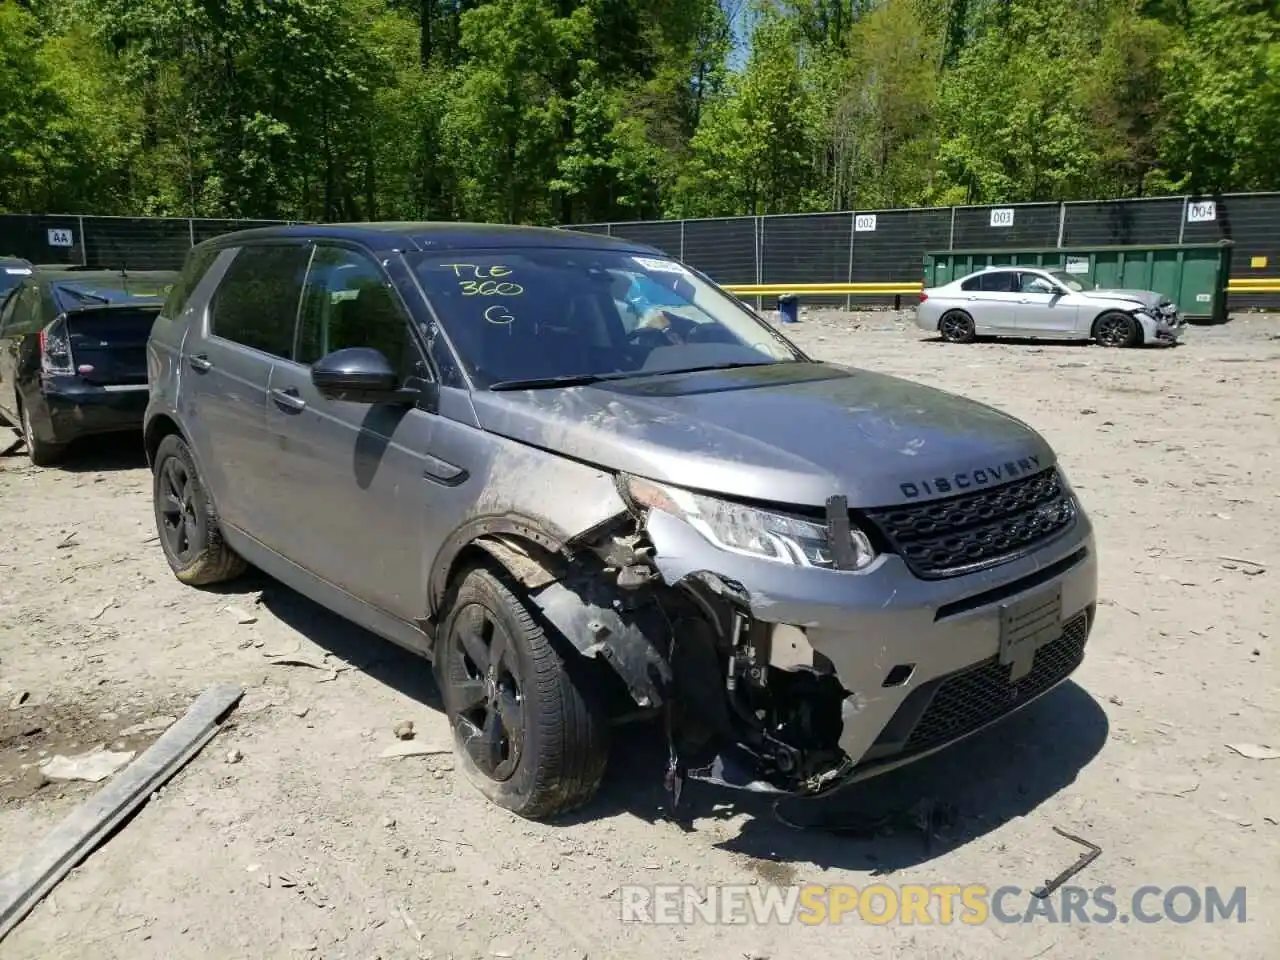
[527,733]
[956,326]
[186,519]
[1116,329]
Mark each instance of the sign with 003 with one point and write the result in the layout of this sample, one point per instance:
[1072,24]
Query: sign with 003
[1002,217]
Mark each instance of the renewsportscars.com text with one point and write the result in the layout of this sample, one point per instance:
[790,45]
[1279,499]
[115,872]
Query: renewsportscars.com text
[937,904]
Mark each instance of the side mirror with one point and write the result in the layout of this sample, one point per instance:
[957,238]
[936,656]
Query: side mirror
[356,375]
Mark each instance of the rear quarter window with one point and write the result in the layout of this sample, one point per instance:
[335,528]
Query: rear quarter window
[194,268]
[256,304]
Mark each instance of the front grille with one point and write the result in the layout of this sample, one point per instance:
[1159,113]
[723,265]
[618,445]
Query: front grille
[982,693]
[949,537]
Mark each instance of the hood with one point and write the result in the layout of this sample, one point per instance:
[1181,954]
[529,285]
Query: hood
[1148,298]
[794,433]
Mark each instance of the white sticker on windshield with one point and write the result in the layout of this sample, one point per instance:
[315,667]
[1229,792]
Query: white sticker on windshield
[662,266]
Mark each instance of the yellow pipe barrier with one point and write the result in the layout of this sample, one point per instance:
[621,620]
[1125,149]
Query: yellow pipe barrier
[1252,285]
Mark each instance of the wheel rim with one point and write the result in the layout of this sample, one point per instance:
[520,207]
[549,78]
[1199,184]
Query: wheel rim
[1113,331]
[485,692]
[954,327]
[179,525]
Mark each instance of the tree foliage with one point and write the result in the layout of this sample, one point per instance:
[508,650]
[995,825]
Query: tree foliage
[584,110]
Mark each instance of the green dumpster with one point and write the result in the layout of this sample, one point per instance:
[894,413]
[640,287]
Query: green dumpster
[1192,275]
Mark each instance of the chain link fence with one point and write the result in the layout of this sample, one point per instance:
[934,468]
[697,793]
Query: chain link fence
[888,246]
[872,246]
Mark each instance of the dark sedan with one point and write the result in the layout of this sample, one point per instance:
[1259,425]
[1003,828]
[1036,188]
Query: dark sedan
[73,354]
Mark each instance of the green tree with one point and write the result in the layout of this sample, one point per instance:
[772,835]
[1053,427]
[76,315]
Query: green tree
[1224,98]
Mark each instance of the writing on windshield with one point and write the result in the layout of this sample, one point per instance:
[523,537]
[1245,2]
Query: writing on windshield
[554,314]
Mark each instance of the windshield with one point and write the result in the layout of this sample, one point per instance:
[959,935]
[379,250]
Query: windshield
[539,314]
[1072,282]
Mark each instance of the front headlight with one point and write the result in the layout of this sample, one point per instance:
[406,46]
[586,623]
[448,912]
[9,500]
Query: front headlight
[747,530]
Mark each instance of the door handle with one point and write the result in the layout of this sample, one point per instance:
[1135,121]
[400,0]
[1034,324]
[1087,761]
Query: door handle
[200,364]
[288,399]
[1024,300]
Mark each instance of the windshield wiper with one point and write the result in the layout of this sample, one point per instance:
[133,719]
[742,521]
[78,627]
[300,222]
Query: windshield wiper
[84,294]
[570,380]
[715,366]
[582,379]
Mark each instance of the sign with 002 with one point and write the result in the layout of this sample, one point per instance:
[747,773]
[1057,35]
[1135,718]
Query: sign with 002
[864,223]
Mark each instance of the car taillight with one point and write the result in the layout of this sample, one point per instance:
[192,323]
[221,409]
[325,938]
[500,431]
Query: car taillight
[55,349]
[923,296]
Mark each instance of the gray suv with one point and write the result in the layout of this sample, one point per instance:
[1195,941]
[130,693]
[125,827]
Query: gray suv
[591,487]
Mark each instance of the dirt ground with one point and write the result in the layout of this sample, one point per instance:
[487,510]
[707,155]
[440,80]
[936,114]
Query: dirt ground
[312,845]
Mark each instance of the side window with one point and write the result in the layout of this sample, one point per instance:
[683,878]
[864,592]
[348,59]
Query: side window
[1000,281]
[973,283]
[25,306]
[193,270]
[349,302]
[1033,283]
[8,304]
[257,301]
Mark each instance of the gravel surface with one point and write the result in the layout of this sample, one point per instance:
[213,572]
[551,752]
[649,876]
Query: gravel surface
[291,836]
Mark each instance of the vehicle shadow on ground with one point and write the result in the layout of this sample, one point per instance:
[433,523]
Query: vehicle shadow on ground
[380,659]
[1047,343]
[898,820]
[110,453]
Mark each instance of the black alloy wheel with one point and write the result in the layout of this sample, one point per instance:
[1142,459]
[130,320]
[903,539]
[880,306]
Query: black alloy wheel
[486,692]
[956,326]
[1116,330]
[186,519]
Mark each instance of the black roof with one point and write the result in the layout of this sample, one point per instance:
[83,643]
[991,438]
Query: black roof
[435,236]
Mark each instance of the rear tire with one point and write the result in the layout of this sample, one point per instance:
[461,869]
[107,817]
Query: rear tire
[39,452]
[186,519]
[956,326]
[1116,329]
[529,735]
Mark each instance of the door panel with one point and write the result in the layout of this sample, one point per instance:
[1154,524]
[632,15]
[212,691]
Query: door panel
[1043,313]
[21,321]
[348,486]
[227,361]
[349,490]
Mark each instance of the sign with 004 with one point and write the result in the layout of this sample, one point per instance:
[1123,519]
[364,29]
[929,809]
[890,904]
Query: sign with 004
[1202,211]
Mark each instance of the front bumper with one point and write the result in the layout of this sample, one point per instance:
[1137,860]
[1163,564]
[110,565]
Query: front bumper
[944,636]
[1162,329]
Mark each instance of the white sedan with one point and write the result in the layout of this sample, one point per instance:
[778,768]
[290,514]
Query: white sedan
[1046,303]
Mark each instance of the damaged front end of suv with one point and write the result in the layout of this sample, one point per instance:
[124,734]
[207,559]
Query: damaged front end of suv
[791,650]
